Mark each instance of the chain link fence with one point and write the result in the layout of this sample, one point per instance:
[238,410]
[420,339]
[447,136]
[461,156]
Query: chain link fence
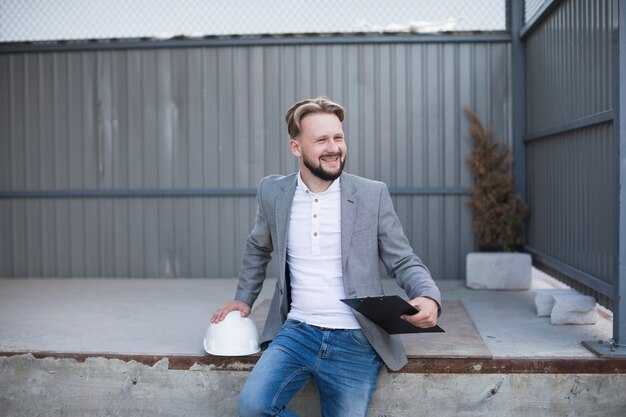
[67,20]
[532,7]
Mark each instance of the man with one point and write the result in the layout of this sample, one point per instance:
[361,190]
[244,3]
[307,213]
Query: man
[329,230]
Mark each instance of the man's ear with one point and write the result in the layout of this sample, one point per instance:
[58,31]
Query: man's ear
[294,145]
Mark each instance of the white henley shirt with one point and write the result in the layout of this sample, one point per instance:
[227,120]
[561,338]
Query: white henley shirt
[314,259]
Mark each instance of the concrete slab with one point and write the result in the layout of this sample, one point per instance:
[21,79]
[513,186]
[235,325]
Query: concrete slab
[110,347]
[169,317]
[126,316]
[461,338]
[508,324]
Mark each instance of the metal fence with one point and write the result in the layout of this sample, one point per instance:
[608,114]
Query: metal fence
[70,20]
[572,145]
[533,8]
[144,162]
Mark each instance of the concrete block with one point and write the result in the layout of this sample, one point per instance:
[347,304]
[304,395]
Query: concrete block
[498,270]
[544,299]
[574,309]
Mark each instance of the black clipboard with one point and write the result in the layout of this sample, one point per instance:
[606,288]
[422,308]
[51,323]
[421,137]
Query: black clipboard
[385,311]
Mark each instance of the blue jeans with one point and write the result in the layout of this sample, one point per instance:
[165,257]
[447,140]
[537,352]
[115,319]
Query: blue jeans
[342,362]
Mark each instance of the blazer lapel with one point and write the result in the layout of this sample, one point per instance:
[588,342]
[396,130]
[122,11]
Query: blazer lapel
[284,201]
[349,207]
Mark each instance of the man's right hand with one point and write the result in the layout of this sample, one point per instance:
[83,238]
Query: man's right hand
[229,306]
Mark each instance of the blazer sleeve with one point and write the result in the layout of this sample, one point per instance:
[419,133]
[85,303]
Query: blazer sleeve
[257,255]
[398,256]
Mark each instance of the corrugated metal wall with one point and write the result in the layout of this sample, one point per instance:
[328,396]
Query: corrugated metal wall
[191,131]
[572,146]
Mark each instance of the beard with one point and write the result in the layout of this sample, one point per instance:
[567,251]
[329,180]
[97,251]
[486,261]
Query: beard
[320,172]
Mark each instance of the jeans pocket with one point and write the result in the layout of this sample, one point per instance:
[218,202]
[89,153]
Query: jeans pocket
[292,324]
[359,338]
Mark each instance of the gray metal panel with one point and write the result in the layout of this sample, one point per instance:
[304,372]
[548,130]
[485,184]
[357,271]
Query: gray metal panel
[6,223]
[211,118]
[569,64]
[572,187]
[6,245]
[571,144]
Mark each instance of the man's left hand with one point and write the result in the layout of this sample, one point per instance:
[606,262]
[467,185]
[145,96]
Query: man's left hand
[427,317]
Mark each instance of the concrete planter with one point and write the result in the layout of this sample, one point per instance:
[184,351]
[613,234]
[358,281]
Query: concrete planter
[498,270]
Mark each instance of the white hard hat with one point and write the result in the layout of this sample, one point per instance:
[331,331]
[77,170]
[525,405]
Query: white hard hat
[233,336]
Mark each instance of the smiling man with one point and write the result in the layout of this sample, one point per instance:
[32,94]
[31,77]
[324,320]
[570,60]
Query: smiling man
[329,230]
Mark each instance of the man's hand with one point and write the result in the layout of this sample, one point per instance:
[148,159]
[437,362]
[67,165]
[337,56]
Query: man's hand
[427,317]
[229,306]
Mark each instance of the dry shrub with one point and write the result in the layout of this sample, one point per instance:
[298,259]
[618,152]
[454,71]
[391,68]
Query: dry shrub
[499,213]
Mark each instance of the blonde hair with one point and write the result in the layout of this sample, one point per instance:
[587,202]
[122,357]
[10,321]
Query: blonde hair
[312,105]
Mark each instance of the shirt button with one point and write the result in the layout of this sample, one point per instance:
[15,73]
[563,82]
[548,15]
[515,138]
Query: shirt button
[307,191]
[315,216]
[316,200]
[315,234]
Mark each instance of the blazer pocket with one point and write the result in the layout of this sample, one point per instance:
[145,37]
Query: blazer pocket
[359,228]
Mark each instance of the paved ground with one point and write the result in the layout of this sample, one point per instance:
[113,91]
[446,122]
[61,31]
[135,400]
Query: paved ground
[169,317]
[120,347]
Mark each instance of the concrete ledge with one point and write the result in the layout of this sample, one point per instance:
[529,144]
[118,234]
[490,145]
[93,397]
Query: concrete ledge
[552,365]
[110,387]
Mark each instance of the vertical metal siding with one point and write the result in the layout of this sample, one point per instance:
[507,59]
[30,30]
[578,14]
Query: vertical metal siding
[571,178]
[6,218]
[571,170]
[570,67]
[212,118]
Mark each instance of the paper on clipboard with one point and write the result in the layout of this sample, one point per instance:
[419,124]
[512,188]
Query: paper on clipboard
[386,310]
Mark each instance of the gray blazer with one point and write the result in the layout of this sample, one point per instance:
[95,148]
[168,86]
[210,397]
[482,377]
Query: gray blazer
[370,231]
